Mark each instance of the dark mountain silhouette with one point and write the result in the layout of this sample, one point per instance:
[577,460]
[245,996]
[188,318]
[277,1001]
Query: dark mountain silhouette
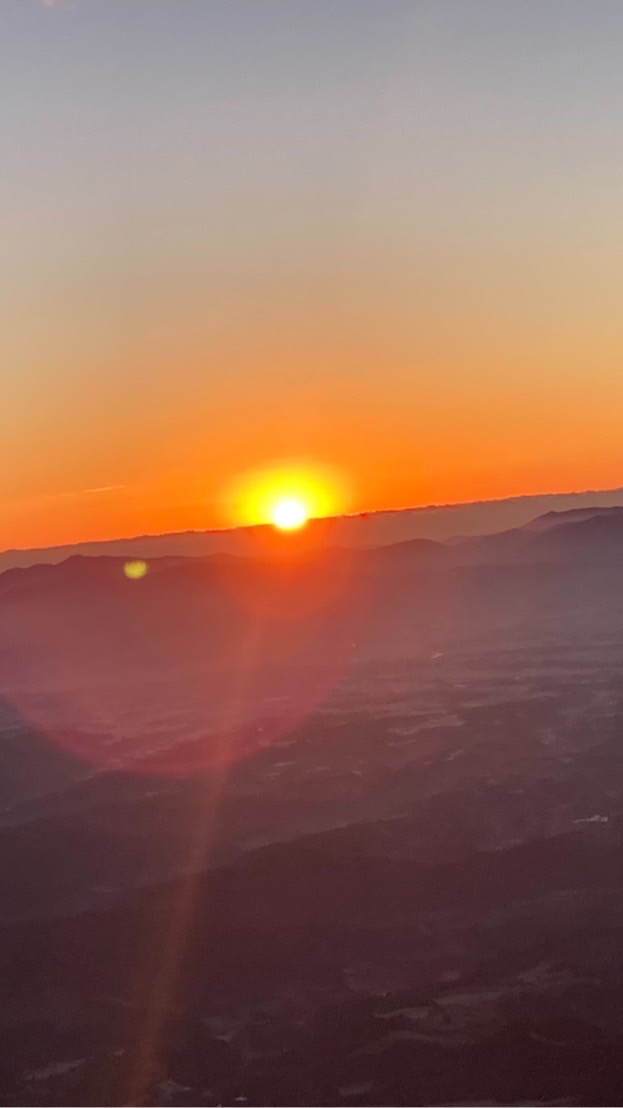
[572,515]
[595,539]
[582,536]
[586,533]
[306,607]
[438,522]
[230,636]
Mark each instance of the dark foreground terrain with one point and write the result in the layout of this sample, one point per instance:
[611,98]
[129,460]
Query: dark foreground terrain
[376,857]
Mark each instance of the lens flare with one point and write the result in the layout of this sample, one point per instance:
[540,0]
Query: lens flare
[135,570]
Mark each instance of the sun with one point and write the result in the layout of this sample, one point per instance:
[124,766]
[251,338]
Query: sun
[289,514]
[285,494]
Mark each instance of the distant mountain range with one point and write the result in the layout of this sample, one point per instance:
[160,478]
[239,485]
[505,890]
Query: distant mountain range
[435,522]
[583,536]
[271,635]
[580,535]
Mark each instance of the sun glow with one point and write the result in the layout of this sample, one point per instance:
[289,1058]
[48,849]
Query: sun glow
[289,514]
[286,495]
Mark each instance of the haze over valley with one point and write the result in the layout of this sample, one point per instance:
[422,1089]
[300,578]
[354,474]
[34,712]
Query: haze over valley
[355,812]
[311,553]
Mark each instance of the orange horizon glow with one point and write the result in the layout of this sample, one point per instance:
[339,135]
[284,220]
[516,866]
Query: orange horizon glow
[129,513]
[388,249]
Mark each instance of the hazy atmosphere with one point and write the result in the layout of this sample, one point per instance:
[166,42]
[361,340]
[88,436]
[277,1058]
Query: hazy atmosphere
[381,235]
[311,553]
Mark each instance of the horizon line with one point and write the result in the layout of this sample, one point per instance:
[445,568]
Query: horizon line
[342,515]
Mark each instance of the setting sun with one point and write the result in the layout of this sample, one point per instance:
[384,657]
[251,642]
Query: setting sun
[289,514]
[285,494]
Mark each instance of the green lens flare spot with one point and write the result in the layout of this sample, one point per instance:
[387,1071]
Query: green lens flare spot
[135,570]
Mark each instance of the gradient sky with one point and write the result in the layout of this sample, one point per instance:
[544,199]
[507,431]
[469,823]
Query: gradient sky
[386,235]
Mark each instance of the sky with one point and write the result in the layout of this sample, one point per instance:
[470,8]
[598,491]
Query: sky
[381,236]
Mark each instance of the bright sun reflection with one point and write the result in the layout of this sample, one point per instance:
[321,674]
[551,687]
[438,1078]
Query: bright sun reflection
[289,514]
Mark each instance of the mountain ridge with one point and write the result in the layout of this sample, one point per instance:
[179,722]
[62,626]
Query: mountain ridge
[540,539]
[382,527]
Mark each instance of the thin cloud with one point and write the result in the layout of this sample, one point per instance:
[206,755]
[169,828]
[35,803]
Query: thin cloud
[105,488]
[86,492]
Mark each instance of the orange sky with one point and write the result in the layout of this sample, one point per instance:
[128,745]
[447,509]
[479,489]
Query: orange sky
[383,238]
